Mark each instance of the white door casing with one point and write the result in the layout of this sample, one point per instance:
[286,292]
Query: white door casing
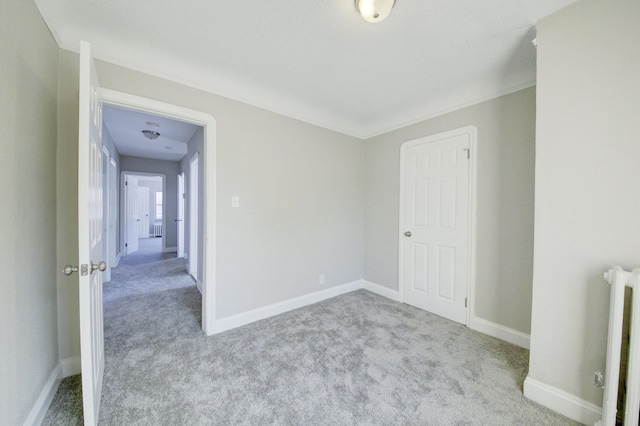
[143,212]
[180,219]
[89,236]
[131,218]
[437,203]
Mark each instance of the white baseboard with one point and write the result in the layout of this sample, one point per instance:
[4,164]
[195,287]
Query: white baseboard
[381,290]
[233,321]
[70,367]
[562,402]
[65,368]
[170,250]
[41,406]
[501,332]
[118,257]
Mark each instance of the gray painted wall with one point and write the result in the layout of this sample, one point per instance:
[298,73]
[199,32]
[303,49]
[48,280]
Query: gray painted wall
[505,204]
[301,191]
[170,171]
[28,311]
[587,197]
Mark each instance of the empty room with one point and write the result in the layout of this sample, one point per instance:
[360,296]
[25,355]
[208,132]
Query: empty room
[384,212]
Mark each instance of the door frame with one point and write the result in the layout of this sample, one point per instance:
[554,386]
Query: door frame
[124,202]
[472,133]
[208,122]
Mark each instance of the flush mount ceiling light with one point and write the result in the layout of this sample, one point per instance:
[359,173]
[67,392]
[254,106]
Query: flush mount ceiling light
[374,10]
[150,134]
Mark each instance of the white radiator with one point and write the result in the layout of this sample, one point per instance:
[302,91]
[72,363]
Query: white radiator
[619,279]
[157,230]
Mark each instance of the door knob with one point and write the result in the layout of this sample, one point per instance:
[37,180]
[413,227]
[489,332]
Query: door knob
[102,266]
[407,234]
[68,270]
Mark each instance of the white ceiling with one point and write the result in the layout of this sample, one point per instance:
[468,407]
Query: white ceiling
[318,60]
[125,127]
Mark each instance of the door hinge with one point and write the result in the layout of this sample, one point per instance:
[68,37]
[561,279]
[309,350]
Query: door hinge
[468,153]
[126,183]
[126,244]
[465,302]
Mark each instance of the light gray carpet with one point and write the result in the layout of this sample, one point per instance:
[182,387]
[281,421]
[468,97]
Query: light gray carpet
[149,250]
[358,359]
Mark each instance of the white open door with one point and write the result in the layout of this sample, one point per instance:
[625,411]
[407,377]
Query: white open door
[180,219]
[143,212]
[193,220]
[90,236]
[132,218]
[113,213]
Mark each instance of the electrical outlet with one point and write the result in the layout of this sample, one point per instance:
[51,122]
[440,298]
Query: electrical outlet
[321,279]
[598,379]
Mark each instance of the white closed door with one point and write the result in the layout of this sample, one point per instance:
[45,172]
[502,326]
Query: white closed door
[90,236]
[435,223]
[132,217]
[143,212]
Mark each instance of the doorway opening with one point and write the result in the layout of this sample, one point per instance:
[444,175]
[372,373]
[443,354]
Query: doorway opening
[170,210]
[143,214]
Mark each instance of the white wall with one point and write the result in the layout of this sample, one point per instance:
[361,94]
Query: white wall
[505,204]
[587,185]
[28,265]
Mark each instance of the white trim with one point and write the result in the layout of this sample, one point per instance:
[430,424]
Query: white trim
[381,290]
[118,258]
[292,107]
[243,318]
[562,402]
[70,367]
[170,250]
[472,132]
[39,410]
[377,129]
[501,332]
[65,368]
[208,122]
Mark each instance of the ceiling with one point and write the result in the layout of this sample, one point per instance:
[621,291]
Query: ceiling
[318,60]
[126,126]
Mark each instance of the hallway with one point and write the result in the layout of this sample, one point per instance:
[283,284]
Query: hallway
[146,271]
